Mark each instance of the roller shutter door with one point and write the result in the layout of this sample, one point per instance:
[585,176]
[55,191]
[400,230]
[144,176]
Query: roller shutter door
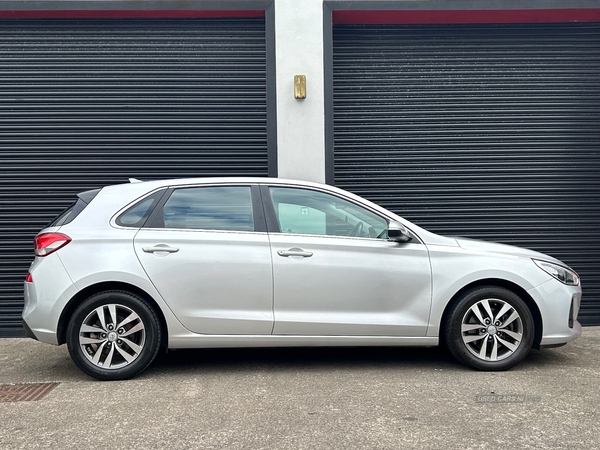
[87,103]
[485,131]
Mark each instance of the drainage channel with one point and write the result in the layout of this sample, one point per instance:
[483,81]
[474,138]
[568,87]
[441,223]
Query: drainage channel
[25,392]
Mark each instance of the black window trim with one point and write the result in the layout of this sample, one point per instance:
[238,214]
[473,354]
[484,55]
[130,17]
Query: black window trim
[269,209]
[157,210]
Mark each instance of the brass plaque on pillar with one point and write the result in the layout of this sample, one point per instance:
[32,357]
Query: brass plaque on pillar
[300,87]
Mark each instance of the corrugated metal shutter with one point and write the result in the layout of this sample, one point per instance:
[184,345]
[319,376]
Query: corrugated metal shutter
[486,131]
[86,103]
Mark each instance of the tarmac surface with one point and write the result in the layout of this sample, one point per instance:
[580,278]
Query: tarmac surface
[310,398]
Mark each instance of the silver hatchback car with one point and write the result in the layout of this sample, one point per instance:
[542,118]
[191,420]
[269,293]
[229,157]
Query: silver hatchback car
[256,262]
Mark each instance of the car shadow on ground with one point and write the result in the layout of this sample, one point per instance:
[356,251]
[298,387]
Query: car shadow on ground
[326,358]
[300,357]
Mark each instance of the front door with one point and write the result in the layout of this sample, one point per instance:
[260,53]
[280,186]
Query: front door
[335,272]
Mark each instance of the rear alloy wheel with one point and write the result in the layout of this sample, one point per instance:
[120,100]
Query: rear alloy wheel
[113,335]
[490,328]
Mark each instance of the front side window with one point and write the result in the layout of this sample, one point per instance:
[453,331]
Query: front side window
[303,211]
[227,208]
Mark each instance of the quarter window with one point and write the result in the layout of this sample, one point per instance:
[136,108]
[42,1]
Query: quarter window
[210,208]
[136,215]
[303,211]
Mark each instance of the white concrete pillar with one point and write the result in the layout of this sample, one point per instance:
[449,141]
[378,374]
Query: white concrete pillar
[300,123]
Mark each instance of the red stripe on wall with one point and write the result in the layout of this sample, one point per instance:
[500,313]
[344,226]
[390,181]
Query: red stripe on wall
[129,14]
[488,16]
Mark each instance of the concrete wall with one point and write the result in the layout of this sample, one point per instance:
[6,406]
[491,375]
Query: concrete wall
[300,123]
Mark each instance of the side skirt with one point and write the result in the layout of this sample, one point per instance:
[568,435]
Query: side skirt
[221,341]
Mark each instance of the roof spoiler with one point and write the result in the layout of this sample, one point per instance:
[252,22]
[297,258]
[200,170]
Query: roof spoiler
[135,180]
[88,196]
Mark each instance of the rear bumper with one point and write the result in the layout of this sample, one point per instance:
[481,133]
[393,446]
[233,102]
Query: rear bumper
[28,332]
[45,298]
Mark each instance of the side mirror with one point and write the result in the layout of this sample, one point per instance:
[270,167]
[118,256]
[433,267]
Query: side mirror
[397,232]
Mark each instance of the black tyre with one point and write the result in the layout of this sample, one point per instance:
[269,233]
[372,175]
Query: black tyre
[113,335]
[489,328]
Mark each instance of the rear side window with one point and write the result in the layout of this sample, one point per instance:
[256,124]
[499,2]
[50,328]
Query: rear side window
[136,215]
[223,208]
[74,210]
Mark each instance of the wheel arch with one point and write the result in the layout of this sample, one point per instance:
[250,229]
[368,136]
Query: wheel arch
[87,292]
[497,282]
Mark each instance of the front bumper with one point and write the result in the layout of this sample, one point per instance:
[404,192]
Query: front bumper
[559,306]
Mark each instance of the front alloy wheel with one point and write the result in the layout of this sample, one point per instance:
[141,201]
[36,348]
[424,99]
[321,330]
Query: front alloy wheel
[489,328]
[492,329]
[113,335]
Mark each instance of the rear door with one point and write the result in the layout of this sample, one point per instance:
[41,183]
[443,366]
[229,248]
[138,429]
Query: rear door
[207,252]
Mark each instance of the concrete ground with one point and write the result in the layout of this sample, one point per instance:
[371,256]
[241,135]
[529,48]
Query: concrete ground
[366,398]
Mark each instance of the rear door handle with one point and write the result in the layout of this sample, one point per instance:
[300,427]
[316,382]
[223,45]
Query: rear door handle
[160,248]
[294,252]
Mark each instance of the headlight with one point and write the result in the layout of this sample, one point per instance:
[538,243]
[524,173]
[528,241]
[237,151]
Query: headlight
[562,274]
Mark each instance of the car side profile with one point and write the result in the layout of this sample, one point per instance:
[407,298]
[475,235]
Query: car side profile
[131,269]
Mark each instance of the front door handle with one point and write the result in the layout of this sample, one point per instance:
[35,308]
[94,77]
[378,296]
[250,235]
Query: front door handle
[160,248]
[294,252]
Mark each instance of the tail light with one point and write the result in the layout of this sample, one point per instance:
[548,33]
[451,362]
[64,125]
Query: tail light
[28,278]
[47,243]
